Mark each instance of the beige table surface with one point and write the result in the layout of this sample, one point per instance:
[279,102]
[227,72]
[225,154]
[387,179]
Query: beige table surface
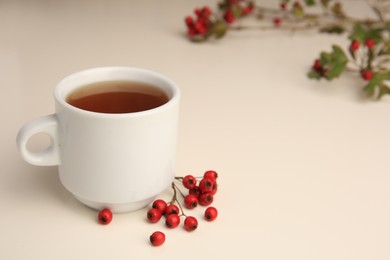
[304,165]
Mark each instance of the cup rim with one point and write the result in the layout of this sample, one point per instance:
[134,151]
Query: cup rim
[62,89]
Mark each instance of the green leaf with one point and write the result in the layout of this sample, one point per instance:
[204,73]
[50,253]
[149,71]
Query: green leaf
[383,90]
[314,74]
[219,29]
[333,62]
[377,81]
[359,33]
[298,10]
[236,10]
[310,2]
[335,70]
[375,34]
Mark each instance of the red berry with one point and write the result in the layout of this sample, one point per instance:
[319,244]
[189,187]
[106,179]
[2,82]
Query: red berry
[191,31]
[214,190]
[198,12]
[190,223]
[213,175]
[191,201]
[205,199]
[206,185]
[189,20]
[354,45]
[366,74]
[153,215]
[210,214]
[277,21]
[172,209]
[206,11]
[195,191]
[157,238]
[172,221]
[317,65]
[370,43]
[189,182]
[160,205]
[105,216]
[228,16]
[200,27]
[283,6]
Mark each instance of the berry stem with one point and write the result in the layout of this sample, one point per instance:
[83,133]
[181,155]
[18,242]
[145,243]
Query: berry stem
[174,198]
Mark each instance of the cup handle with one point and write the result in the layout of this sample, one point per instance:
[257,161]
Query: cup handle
[49,156]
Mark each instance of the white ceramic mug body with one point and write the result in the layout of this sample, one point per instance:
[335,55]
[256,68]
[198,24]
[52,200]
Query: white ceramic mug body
[118,161]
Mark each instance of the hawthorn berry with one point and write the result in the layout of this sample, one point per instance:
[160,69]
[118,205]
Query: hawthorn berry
[160,205]
[191,201]
[214,190]
[206,11]
[172,209]
[317,65]
[210,214]
[189,182]
[213,175]
[283,6]
[354,45]
[195,191]
[370,43]
[153,215]
[190,223]
[206,185]
[229,16]
[277,21]
[172,221]
[189,21]
[366,74]
[205,199]
[105,216]
[248,9]
[157,238]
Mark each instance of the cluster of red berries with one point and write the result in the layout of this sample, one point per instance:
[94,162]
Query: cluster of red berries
[199,193]
[233,9]
[201,24]
[369,43]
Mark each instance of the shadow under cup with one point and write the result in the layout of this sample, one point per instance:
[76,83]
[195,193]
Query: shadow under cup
[120,161]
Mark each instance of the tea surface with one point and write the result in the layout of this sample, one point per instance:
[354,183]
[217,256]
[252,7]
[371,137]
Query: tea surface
[116,97]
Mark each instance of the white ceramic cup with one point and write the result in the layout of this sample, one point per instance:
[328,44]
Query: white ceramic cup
[117,161]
